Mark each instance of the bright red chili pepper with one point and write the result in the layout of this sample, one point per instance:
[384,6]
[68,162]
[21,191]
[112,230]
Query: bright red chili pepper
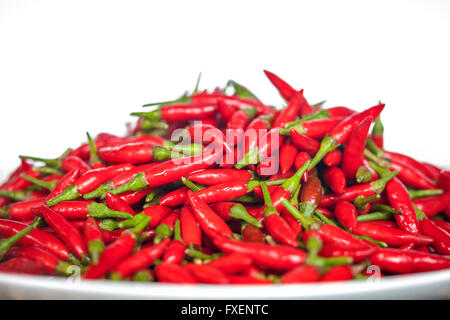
[334,177]
[315,129]
[346,214]
[115,203]
[231,263]
[285,90]
[237,124]
[226,191]
[303,142]
[333,158]
[233,210]
[22,265]
[392,236]
[190,229]
[173,273]
[358,255]
[433,205]
[216,176]
[401,261]
[93,238]
[338,273]
[226,111]
[441,237]
[209,221]
[68,233]
[287,156]
[20,210]
[73,210]
[302,274]
[206,274]
[291,111]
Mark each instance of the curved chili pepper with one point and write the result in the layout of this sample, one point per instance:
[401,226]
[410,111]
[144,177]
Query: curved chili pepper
[346,214]
[175,198]
[93,238]
[208,220]
[190,229]
[334,177]
[353,155]
[315,129]
[441,237]
[277,257]
[433,205]
[399,200]
[367,189]
[303,142]
[115,252]
[291,111]
[392,236]
[173,273]
[67,180]
[68,233]
[115,203]
[141,259]
[342,131]
[401,261]
[6,244]
[285,90]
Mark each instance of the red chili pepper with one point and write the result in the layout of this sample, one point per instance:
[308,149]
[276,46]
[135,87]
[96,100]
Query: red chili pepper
[73,210]
[366,190]
[291,111]
[334,177]
[441,237]
[190,229]
[338,273]
[20,210]
[346,214]
[399,199]
[433,205]
[234,210]
[256,129]
[248,280]
[115,203]
[431,171]
[377,133]
[333,158]
[141,259]
[226,191]
[200,132]
[68,233]
[237,124]
[115,252]
[127,152]
[216,176]
[303,142]
[173,273]
[342,131]
[175,251]
[133,197]
[358,255]
[442,224]
[208,220]
[166,227]
[206,274]
[175,198]
[285,90]
[315,129]
[50,262]
[231,263]
[401,261]
[93,238]
[287,156]
[339,112]
[293,223]
[392,236]
[67,180]
[35,238]
[277,257]
[302,274]
[157,213]
[225,110]
[22,265]
[353,155]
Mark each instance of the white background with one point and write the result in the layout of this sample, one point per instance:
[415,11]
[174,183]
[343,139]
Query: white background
[67,67]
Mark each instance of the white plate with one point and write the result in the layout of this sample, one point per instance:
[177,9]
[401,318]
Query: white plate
[429,285]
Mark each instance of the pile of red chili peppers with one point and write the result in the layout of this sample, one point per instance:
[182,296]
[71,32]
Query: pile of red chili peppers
[220,188]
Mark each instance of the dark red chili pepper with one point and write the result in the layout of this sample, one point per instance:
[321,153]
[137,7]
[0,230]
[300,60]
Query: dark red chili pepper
[353,155]
[22,265]
[93,238]
[208,220]
[302,274]
[51,263]
[433,205]
[141,259]
[287,156]
[35,238]
[190,229]
[346,214]
[173,273]
[366,190]
[401,261]
[310,196]
[231,263]
[115,252]
[441,237]
[334,177]
[216,176]
[68,233]
[392,236]
[399,200]
[342,131]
